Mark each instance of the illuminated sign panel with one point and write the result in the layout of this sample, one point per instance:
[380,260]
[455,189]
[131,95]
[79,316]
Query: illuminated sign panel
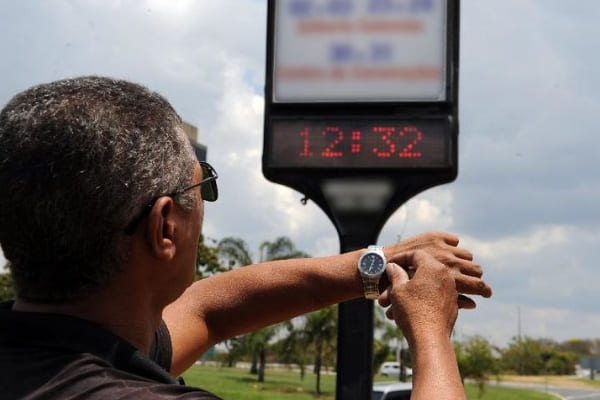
[360,51]
[360,142]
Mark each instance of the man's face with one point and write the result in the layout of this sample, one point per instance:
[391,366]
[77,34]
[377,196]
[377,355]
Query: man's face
[185,228]
[193,226]
[188,229]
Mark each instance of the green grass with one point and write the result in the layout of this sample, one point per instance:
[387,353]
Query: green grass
[594,383]
[238,384]
[498,393]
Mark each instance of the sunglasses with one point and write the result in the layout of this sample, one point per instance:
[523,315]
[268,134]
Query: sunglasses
[208,184]
[208,191]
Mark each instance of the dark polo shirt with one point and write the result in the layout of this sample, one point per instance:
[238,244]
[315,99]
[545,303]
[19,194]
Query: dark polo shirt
[51,356]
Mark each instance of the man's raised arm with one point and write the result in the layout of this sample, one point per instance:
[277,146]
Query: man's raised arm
[236,302]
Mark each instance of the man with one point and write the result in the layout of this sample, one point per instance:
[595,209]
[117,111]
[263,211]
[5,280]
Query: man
[101,212]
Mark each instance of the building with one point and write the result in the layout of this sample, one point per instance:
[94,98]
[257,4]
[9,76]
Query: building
[192,133]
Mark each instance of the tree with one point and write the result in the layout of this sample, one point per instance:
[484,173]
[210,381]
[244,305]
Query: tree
[529,356]
[256,344]
[292,351]
[316,331]
[207,260]
[524,356]
[561,362]
[281,248]
[7,287]
[476,361]
[233,253]
[580,347]
[235,350]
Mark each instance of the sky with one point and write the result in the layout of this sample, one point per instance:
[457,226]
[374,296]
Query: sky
[526,199]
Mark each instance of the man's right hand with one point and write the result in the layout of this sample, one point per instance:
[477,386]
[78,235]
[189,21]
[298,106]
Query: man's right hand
[426,305]
[444,248]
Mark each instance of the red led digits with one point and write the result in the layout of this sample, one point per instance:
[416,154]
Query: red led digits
[380,146]
[305,149]
[385,138]
[416,135]
[355,147]
[329,151]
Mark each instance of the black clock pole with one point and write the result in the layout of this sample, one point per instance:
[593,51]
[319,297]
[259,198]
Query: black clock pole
[355,335]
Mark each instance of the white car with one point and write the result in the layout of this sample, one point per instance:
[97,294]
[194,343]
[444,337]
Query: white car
[392,391]
[392,368]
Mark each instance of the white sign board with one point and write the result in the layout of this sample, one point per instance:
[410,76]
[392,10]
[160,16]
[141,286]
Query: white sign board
[360,51]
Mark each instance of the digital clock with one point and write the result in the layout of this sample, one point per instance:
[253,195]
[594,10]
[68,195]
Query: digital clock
[360,143]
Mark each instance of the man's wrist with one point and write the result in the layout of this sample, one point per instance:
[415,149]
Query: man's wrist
[393,249]
[426,337]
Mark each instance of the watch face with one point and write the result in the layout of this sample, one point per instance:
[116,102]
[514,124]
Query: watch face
[372,264]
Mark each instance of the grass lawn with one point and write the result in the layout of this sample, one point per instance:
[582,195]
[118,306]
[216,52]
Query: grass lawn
[238,384]
[498,393]
[553,380]
[589,382]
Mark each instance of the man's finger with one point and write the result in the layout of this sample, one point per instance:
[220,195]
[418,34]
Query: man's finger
[409,258]
[465,302]
[395,276]
[471,285]
[463,253]
[384,298]
[450,238]
[466,267]
[389,313]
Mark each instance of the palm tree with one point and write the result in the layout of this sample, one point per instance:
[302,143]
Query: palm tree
[293,351]
[281,248]
[7,286]
[207,261]
[317,330]
[234,252]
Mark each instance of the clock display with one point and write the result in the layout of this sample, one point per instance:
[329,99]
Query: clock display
[360,143]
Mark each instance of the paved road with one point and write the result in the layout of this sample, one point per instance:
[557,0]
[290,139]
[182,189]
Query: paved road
[565,393]
[576,394]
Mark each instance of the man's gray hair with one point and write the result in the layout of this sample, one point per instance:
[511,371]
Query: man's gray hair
[79,159]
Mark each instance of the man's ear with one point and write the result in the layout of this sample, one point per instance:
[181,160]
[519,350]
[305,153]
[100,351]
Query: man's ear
[160,230]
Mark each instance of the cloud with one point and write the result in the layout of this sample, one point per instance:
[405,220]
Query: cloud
[527,148]
[547,273]
[251,207]
[504,321]
[540,239]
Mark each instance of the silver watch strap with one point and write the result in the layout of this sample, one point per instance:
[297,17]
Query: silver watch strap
[371,288]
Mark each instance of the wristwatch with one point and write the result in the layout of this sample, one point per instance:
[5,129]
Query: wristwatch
[371,265]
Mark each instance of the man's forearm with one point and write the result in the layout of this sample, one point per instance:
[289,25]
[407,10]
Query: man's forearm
[259,295]
[436,374]
[251,297]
